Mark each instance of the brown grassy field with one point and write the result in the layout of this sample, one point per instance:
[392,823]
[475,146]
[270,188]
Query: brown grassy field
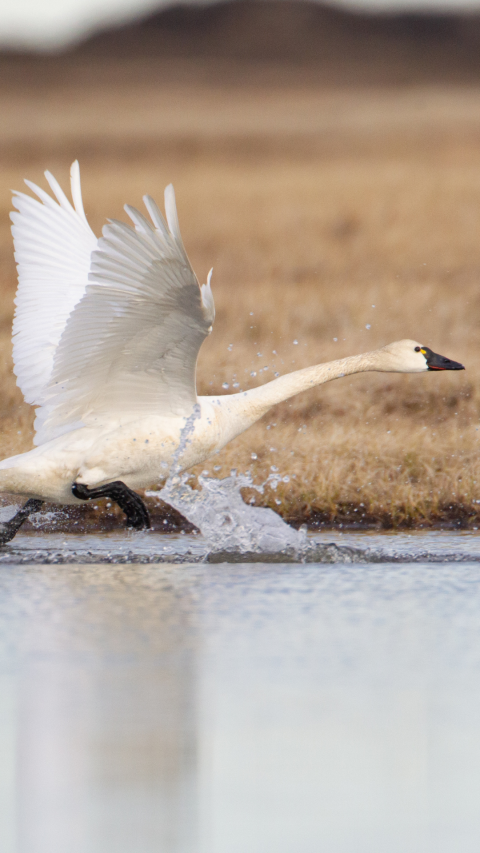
[340,219]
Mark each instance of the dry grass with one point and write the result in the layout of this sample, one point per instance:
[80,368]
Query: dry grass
[313,206]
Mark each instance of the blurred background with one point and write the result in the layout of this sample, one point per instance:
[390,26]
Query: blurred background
[326,160]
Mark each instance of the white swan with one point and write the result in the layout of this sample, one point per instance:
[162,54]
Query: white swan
[105,343]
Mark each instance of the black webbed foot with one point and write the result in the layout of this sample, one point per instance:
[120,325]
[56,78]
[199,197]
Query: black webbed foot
[8,529]
[129,502]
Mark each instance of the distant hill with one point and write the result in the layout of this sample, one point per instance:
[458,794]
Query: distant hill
[343,46]
[297,31]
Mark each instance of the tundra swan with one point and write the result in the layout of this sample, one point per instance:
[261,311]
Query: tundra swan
[105,343]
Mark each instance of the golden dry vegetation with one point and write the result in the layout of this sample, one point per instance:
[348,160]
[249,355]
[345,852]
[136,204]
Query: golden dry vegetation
[336,221]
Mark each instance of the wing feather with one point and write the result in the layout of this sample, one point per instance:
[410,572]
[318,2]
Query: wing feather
[77,190]
[157,216]
[130,347]
[58,193]
[53,247]
[172,217]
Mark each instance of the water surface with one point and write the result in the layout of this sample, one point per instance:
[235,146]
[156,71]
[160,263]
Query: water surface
[268,708]
[149,546]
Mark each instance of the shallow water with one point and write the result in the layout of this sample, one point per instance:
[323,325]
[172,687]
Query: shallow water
[266,708]
[150,547]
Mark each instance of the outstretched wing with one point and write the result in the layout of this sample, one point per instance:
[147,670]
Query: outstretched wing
[130,347]
[53,246]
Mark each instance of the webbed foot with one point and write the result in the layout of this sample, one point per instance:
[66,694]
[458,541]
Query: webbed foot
[129,502]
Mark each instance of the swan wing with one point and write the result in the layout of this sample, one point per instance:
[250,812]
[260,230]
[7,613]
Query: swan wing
[130,347]
[53,246]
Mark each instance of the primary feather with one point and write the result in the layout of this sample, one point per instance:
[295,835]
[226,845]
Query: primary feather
[128,316]
[53,248]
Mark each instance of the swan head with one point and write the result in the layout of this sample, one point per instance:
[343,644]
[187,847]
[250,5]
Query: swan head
[411,357]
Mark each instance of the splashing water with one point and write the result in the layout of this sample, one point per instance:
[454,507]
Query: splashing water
[185,439]
[226,522]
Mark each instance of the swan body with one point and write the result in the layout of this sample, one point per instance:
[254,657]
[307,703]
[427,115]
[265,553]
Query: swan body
[105,341]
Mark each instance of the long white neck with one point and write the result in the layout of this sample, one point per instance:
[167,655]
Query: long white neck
[242,410]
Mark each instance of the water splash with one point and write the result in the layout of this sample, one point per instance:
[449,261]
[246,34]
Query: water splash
[185,439]
[232,529]
[39,519]
[227,523]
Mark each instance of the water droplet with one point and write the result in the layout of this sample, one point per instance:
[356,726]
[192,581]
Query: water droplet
[253,373]
[273,468]
[335,339]
[225,385]
[235,385]
[254,456]
[276,374]
[368,326]
[217,467]
[295,343]
[259,354]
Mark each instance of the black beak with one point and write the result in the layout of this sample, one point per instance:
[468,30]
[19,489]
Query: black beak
[439,362]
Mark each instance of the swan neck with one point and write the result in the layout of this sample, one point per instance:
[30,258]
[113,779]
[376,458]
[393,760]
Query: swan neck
[259,400]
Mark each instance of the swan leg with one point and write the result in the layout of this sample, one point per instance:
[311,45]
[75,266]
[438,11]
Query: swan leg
[129,502]
[8,529]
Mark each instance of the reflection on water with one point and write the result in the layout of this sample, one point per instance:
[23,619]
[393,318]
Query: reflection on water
[240,708]
[101,668]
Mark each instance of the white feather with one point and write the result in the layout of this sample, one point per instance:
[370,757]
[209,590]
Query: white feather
[53,247]
[77,189]
[172,217]
[157,216]
[207,300]
[130,347]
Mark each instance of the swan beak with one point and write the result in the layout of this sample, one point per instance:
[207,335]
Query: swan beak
[439,362]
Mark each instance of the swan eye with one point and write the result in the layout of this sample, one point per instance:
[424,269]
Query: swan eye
[418,349]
